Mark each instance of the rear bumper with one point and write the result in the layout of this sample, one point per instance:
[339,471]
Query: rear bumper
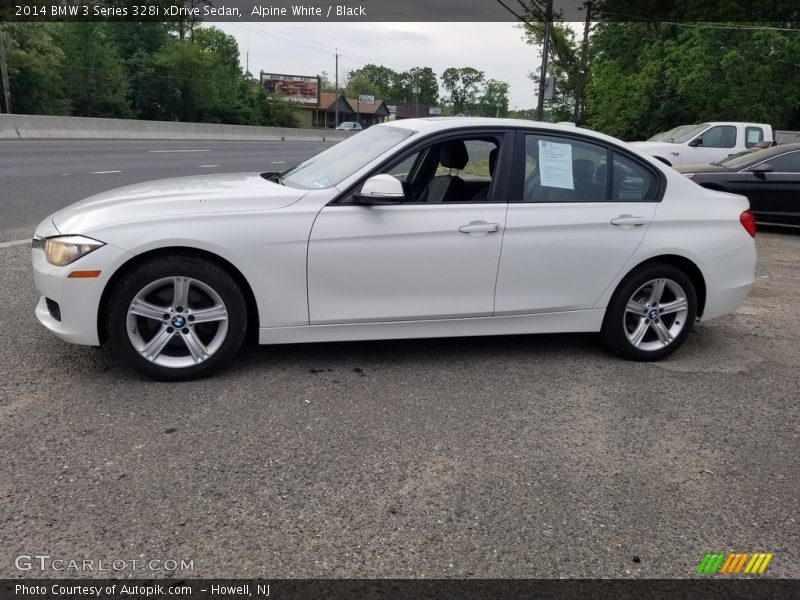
[728,281]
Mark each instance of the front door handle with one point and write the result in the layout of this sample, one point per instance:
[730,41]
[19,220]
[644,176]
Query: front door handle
[480,227]
[629,221]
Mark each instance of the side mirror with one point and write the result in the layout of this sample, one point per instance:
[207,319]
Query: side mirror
[380,189]
[761,170]
[696,142]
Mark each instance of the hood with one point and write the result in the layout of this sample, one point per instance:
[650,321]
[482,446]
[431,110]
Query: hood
[180,196]
[649,146]
[703,168]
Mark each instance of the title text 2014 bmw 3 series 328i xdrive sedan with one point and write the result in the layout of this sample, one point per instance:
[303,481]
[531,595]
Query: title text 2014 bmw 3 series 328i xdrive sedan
[416,228]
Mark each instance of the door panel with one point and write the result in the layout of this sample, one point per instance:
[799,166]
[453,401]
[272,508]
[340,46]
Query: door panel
[774,195]
[403,262]
[563,256]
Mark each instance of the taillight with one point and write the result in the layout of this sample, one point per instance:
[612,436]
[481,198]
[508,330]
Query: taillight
[748,221]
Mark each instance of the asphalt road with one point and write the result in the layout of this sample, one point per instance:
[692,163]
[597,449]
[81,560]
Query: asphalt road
[39,177]
[529,456]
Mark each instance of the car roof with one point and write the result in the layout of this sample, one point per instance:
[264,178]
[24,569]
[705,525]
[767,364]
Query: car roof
[434,124]
[765,153]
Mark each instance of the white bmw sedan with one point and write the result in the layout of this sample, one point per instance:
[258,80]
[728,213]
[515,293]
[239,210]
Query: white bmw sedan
[412,229]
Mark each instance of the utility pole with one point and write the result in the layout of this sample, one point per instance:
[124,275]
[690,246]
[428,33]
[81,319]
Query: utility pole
[582,73]
[4,74]
[548,17]
[336,121]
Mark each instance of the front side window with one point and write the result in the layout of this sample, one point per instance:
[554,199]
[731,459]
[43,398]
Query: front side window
[721,136]
[456,170]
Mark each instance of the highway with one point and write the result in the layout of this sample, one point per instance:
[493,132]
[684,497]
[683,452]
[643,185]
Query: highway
[505,457]
[39,177]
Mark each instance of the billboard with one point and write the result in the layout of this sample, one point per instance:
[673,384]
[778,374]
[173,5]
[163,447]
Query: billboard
[366,99]
[303,89]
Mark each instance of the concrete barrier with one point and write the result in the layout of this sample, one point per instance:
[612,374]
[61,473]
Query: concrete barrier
[32,127]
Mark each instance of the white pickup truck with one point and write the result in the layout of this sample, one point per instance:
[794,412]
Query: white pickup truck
[706,142]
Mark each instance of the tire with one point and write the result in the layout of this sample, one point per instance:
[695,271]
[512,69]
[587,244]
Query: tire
[650,314]
[176,318]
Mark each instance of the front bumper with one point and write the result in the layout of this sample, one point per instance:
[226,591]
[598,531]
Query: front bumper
[78,299]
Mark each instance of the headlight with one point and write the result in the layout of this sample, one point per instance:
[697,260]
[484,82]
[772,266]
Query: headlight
[66,249]
[689,175]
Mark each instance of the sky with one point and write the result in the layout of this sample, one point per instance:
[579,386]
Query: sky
[309,48]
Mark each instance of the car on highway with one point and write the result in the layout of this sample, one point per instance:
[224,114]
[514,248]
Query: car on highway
[349,126]
[431,227]
[770,178]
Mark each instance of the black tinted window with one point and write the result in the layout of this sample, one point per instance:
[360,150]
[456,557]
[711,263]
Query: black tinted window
[786,163]
[632,182]
[721,136]
[564,170]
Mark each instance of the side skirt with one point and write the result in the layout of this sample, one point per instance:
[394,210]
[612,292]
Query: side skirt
[556,322]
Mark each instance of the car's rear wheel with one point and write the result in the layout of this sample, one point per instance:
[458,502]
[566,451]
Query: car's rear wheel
[176,317]
[651,313]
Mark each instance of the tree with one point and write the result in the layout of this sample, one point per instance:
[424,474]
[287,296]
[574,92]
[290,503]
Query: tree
[94,80]
[462,86]
[494,100]
[649,77]
[563,65]
[424,78]
[375,80]
[35,68]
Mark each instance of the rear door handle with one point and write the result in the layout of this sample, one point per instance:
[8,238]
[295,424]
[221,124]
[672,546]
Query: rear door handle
[480,227]
[629,221]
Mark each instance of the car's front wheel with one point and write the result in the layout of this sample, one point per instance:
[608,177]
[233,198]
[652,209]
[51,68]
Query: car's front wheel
[650,314]
[176,317]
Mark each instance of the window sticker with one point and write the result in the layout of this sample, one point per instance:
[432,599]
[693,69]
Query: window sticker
[555,165]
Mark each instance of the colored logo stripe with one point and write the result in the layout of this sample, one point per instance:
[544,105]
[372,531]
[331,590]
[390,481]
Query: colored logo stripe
[734,562]
[711,562]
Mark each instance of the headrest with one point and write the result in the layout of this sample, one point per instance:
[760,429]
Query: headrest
[453,155]
[582,169]
[492,161]
[601,174]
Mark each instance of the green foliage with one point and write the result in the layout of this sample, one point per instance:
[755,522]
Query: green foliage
[563,66]
[651,77]
[94,79]
[388,84]
[462,86]
[34,65]
[178,71]
[494,101]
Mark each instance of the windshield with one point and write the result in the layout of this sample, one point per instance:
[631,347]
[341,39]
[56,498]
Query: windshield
[332,166]
[664,135]
[743,159]
[687,134]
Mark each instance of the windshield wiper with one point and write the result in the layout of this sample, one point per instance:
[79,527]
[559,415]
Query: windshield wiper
[273,176]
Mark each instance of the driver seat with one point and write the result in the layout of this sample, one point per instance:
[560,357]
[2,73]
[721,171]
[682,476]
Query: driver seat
[448,188]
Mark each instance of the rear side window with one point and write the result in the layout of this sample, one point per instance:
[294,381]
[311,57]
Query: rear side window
[559,169]
[632,182]
[785,163]
[753,136]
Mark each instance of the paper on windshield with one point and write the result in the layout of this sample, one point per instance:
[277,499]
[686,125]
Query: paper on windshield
[555,165]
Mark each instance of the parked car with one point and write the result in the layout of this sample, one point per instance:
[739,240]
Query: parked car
[770,178]
[419,228]
[706,142]
[349,126]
